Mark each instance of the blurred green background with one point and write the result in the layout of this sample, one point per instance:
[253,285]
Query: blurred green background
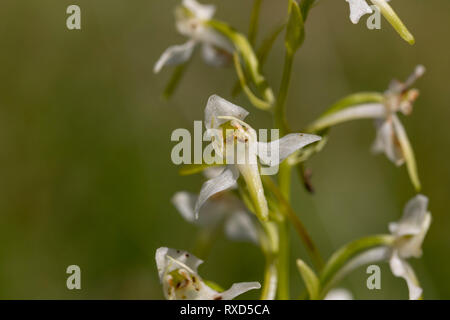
[86,175]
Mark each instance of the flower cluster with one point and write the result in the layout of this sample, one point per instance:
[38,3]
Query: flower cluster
[240,198]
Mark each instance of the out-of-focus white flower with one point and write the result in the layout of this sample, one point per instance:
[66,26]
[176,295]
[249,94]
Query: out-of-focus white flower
[408,235]
[391,135]
[339,294]
[235,142]
[178,274]
[410,232]
[391,138]
[224,208]
[191,21]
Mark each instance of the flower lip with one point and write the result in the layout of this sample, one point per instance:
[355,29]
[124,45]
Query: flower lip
[178,274]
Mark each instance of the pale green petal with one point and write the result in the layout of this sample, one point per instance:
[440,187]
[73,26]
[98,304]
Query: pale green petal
[408,152]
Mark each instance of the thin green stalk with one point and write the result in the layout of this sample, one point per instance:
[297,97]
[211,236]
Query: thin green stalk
[270,278]
[283,266]
[284,179]
[297,223]
[283,261]
[280,108]
[254,21]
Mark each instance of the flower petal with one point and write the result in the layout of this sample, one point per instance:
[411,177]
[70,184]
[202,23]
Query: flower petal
[238,289]
[200,11]
[362,111]
[175,55]
[211,213]
[358,8]
[217,107]
[413,217]
[240,227]
[401,268]
[225,180]
[168,260]
[339,294]
[407,150]
[185,202]
[285,146]
[386,142]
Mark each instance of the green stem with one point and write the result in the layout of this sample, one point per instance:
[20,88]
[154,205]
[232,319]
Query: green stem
[270,245]
[283,261]
[284,179]
[270,278]
[280,108]
[283,227]
[295,220]
[254,20]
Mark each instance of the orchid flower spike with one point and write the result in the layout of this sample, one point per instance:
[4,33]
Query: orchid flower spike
[192,21]
[178,274]
[359,8]
[391,137]
[223,207]
[236,144]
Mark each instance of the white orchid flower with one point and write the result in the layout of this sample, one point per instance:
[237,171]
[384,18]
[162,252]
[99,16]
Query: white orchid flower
[410,232]
[223,207]
[228,131]
[178,274]
[391,137]
[339,294]
[191,21]
[408,236]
